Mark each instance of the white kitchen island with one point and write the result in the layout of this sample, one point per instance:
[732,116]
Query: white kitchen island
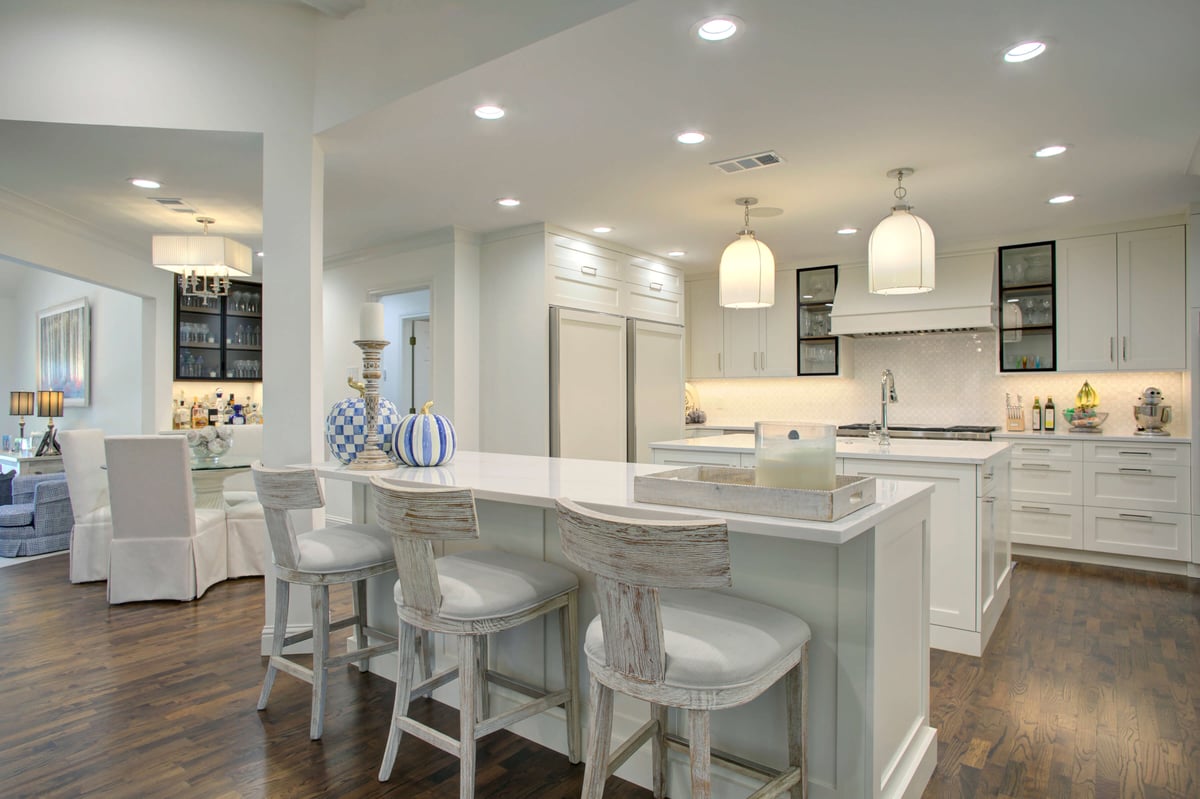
[862,584]
[969,519]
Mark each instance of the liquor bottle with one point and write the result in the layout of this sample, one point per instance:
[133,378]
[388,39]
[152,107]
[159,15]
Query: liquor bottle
[1048,422]
[228,411]
[1037,415]
[199,417]
[182,417]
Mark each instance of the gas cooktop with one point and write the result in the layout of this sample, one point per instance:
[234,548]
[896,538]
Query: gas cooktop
[958,432]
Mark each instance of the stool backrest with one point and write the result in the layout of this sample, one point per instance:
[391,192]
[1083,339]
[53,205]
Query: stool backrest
[281,491]
[417,517]
[632,558]
[83,455]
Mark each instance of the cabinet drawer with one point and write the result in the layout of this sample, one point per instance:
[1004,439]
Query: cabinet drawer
[1154,488]
[654,276]
[674,457]
[1047,450]
[586,292]
[1046,481]
[1154,535]
[656,305]
[1047,525]
[1139,453]
[583,258]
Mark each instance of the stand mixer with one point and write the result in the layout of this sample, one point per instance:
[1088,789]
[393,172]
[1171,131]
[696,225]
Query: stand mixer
[1151,414]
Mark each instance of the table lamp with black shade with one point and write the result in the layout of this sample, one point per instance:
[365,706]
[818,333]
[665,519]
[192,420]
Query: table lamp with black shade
[49,405]
[20,404]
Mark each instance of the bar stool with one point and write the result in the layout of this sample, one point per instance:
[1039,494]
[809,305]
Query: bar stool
[696,650]
[468,596]
[320,558]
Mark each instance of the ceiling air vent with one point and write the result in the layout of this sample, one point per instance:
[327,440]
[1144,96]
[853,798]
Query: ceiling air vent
[744,162]
[176,204]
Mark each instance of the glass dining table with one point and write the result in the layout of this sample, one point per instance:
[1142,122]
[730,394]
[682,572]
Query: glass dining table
[208,478]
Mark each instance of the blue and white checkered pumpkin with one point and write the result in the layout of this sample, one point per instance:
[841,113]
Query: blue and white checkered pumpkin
[346,428]
[425,439]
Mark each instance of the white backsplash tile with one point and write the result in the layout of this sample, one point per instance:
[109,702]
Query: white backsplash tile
[941,378]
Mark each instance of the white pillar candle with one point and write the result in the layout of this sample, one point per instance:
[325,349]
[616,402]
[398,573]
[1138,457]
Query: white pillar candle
[370,322]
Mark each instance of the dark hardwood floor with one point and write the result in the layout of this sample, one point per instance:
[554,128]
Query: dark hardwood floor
[1090,688]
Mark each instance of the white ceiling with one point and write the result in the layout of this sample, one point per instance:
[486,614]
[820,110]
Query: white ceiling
[844,90]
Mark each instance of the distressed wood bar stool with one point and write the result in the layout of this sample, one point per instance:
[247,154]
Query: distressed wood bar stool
[320,558]
[469,595]
[691,649]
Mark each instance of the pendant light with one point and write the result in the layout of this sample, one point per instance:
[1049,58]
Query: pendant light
[747,273]
[204,263]
[900,251]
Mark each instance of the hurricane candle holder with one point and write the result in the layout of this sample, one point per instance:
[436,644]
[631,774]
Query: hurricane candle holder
[372,456]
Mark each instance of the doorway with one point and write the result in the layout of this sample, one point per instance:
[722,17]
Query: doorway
[407,362]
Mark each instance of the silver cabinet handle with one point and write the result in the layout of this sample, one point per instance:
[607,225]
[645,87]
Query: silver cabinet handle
[989,475]
[1036,508]
[1135,452]
[1035,449]
[1033,465]
[656,286]
[1112,349]
[756,361]
[762,360]
[588,270]
[1133,470]
[1124,349]
[720,367]
[1137,517]
[988,500]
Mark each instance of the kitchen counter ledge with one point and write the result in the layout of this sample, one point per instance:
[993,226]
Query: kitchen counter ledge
[912,449]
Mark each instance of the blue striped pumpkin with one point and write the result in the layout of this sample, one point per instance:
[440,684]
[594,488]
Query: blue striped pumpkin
[425,439]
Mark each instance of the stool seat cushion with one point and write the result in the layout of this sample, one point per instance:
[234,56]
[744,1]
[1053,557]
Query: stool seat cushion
[343,548]
[17,515]
[491,583]
[716,640]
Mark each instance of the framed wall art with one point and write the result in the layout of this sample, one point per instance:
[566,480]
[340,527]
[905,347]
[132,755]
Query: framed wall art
[65,351]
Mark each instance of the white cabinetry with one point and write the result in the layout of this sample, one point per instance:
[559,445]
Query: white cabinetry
[968,526]
[742,343]
[1120,299]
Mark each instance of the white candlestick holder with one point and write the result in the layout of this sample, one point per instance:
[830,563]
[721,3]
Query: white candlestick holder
[372,458]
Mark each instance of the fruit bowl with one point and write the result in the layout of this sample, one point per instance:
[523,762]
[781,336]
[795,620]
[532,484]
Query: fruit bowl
[1084,420]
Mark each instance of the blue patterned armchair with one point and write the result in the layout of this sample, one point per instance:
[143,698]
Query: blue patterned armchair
[40,518]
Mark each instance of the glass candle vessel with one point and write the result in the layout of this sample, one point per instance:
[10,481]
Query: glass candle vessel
[794,455]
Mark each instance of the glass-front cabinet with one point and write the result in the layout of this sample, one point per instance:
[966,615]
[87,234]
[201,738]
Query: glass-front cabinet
[219,338]
[1027,312]
[817,353]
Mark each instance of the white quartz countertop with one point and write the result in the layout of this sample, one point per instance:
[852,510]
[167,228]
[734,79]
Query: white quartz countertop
[538,481]
[1110,432]
[908,449]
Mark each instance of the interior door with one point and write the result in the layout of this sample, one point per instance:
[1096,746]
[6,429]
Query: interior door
[587,385]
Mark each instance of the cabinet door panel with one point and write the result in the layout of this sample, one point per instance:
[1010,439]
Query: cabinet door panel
[1086,298]
[705,332]
[1151,316]
[778,347]
[1162,488]
[1047,524]
[1155,535]
[741,349]
[1046,481]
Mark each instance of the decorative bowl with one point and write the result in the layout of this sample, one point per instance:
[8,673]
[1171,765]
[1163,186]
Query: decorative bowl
[1091,421]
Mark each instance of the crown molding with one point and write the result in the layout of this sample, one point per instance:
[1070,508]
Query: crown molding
[17,204]
[421,241]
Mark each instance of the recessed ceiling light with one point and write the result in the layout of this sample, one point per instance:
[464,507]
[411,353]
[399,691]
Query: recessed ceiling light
[145,183]
[676,253]
[691,137]
[1051,151]
[847,231]
[714,29]
[602,229]
[259,253]
[508,202]
[1024,51]
[489,111]
[1060,199]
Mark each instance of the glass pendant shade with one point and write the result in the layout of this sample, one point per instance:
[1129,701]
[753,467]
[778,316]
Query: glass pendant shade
[900,254]
[747,274]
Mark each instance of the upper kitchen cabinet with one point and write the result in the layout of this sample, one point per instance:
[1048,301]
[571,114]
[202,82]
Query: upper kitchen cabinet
[818,351]
[726,342]
[586,276]
[1027,307]
[219,337]
[1121,301]
[705,330]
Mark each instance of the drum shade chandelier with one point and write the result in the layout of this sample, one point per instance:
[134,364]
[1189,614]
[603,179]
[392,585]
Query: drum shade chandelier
[746,278]
[900,251]
[203,263]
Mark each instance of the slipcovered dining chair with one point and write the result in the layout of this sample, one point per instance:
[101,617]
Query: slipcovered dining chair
[163,547]
[469,596]
[83,462]
[327,556]
[698,650]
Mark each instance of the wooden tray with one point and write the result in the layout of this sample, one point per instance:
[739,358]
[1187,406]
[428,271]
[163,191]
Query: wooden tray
[733,489]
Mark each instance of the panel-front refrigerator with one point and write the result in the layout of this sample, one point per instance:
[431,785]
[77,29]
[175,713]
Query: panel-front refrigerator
[616,385]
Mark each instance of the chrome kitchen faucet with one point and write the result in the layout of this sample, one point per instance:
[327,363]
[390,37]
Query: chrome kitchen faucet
[887,393]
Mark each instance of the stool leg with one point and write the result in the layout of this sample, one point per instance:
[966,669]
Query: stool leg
[700,752]
[320,644]
[468,691]
[595,773]
[282,595]
[796,688]
[360,620]
[406,659]
[658,713]
[484,707]
[427,654]
[568,619]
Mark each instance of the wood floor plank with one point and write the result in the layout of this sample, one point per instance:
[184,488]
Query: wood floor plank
[1090,689]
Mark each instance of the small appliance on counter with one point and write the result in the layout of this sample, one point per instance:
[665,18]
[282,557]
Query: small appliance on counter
[1151,414]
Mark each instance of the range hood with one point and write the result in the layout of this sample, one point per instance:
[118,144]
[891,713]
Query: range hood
[964,298]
